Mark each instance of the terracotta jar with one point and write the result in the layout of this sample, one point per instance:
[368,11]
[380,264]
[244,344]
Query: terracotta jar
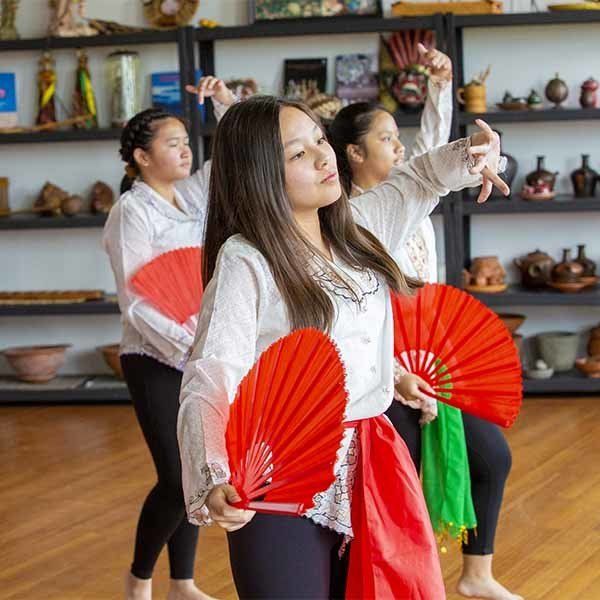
[487,270]
[593,346]
[541,174]
[472,97]
[589,266]
[568,270]
[584,179]
[536,269]
[589,93]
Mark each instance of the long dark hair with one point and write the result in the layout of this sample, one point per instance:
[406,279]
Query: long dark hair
[247,196]
[139,133]
[350,126]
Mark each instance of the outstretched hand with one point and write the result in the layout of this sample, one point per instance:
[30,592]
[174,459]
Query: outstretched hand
[485,154]
[210,86]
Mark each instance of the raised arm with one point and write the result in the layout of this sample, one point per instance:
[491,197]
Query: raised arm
[393,209]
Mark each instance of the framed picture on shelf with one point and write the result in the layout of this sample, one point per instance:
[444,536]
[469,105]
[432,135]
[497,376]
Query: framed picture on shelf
[271,10]
[303,77]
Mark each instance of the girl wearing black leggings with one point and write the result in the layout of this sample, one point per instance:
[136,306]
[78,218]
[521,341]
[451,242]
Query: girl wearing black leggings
[161,208]
[367,145]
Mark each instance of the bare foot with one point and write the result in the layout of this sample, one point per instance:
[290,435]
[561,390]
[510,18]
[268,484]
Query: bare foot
[485,588]
[137,589]
[185,589]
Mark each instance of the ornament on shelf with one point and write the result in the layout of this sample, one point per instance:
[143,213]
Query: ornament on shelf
[8,30]
[166,14]
[473,95]
[84,100]
[46,90]
[589,93]
[406,80]
[534,101]
[101,198]
[557,91]
[123,68]
[485,275]
[509,173]
[539,183]
[584,179]
[68,19]
[536,269]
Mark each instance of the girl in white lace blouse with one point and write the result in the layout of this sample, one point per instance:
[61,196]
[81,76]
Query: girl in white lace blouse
[164,209]
[284,249]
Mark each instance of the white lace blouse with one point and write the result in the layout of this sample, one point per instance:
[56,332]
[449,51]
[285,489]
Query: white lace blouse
[243,312]
[142,225]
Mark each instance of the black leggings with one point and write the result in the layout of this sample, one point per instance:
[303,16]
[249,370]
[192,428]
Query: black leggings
[280,557]
[489,464]
[154,389]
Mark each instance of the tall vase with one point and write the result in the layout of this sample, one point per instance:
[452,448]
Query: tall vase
[584,179]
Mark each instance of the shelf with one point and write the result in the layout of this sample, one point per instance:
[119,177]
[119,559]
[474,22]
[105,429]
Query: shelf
[531,116]
[91,388]
[562,383]
[61,135]
[561,204]
[34,221]
[314,26]
[519,296]
[515,19]
[56,43]
[93,307]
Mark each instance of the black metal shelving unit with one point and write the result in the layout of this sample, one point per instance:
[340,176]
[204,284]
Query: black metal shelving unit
[464,206]
[456,210]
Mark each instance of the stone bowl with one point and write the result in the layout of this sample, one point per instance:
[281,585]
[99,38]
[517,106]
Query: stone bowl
[36,364]
[558,349]
[110,353]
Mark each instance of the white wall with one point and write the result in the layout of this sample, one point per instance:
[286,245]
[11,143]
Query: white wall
[63,259]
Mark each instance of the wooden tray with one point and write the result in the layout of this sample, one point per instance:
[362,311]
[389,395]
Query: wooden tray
[50,297]
[476,7]
[487,289]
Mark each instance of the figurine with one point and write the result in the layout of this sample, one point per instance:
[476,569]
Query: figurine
[485,271]
[8,30]
[84,101]
[534,101]
[68,19]
[589,96]
[557,91]
[46,90]
[102,198]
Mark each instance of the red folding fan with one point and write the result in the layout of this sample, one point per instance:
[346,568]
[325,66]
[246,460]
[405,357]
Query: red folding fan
[462,349]
[285,424]
[172,282]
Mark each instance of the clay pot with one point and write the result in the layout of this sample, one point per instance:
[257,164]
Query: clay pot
[536,269]
[558,349]
[567,271]
[593,346]
[511,321]
[72,205]
[557,91]
[36,364]
[472,97]
[584,179]
[589,93]
[112,358]
[509,173]
[541,174]
[589,366]
[487,270]
[589,266]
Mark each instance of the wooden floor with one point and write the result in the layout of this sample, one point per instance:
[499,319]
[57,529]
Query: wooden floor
[73,479]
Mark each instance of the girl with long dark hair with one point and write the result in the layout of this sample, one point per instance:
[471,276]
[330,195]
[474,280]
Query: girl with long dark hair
[285,249]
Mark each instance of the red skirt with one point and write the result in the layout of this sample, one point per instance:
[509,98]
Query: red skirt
[394,553]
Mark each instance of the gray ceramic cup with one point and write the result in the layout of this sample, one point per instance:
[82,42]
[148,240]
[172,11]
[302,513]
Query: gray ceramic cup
[558,349]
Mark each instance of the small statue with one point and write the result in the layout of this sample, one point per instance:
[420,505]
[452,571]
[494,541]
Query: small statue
[68,19]
[8,30]
[84,101]
[50,200]
[102,198]
[46,90]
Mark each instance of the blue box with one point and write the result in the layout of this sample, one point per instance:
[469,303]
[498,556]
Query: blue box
[166,93]
[8,100]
